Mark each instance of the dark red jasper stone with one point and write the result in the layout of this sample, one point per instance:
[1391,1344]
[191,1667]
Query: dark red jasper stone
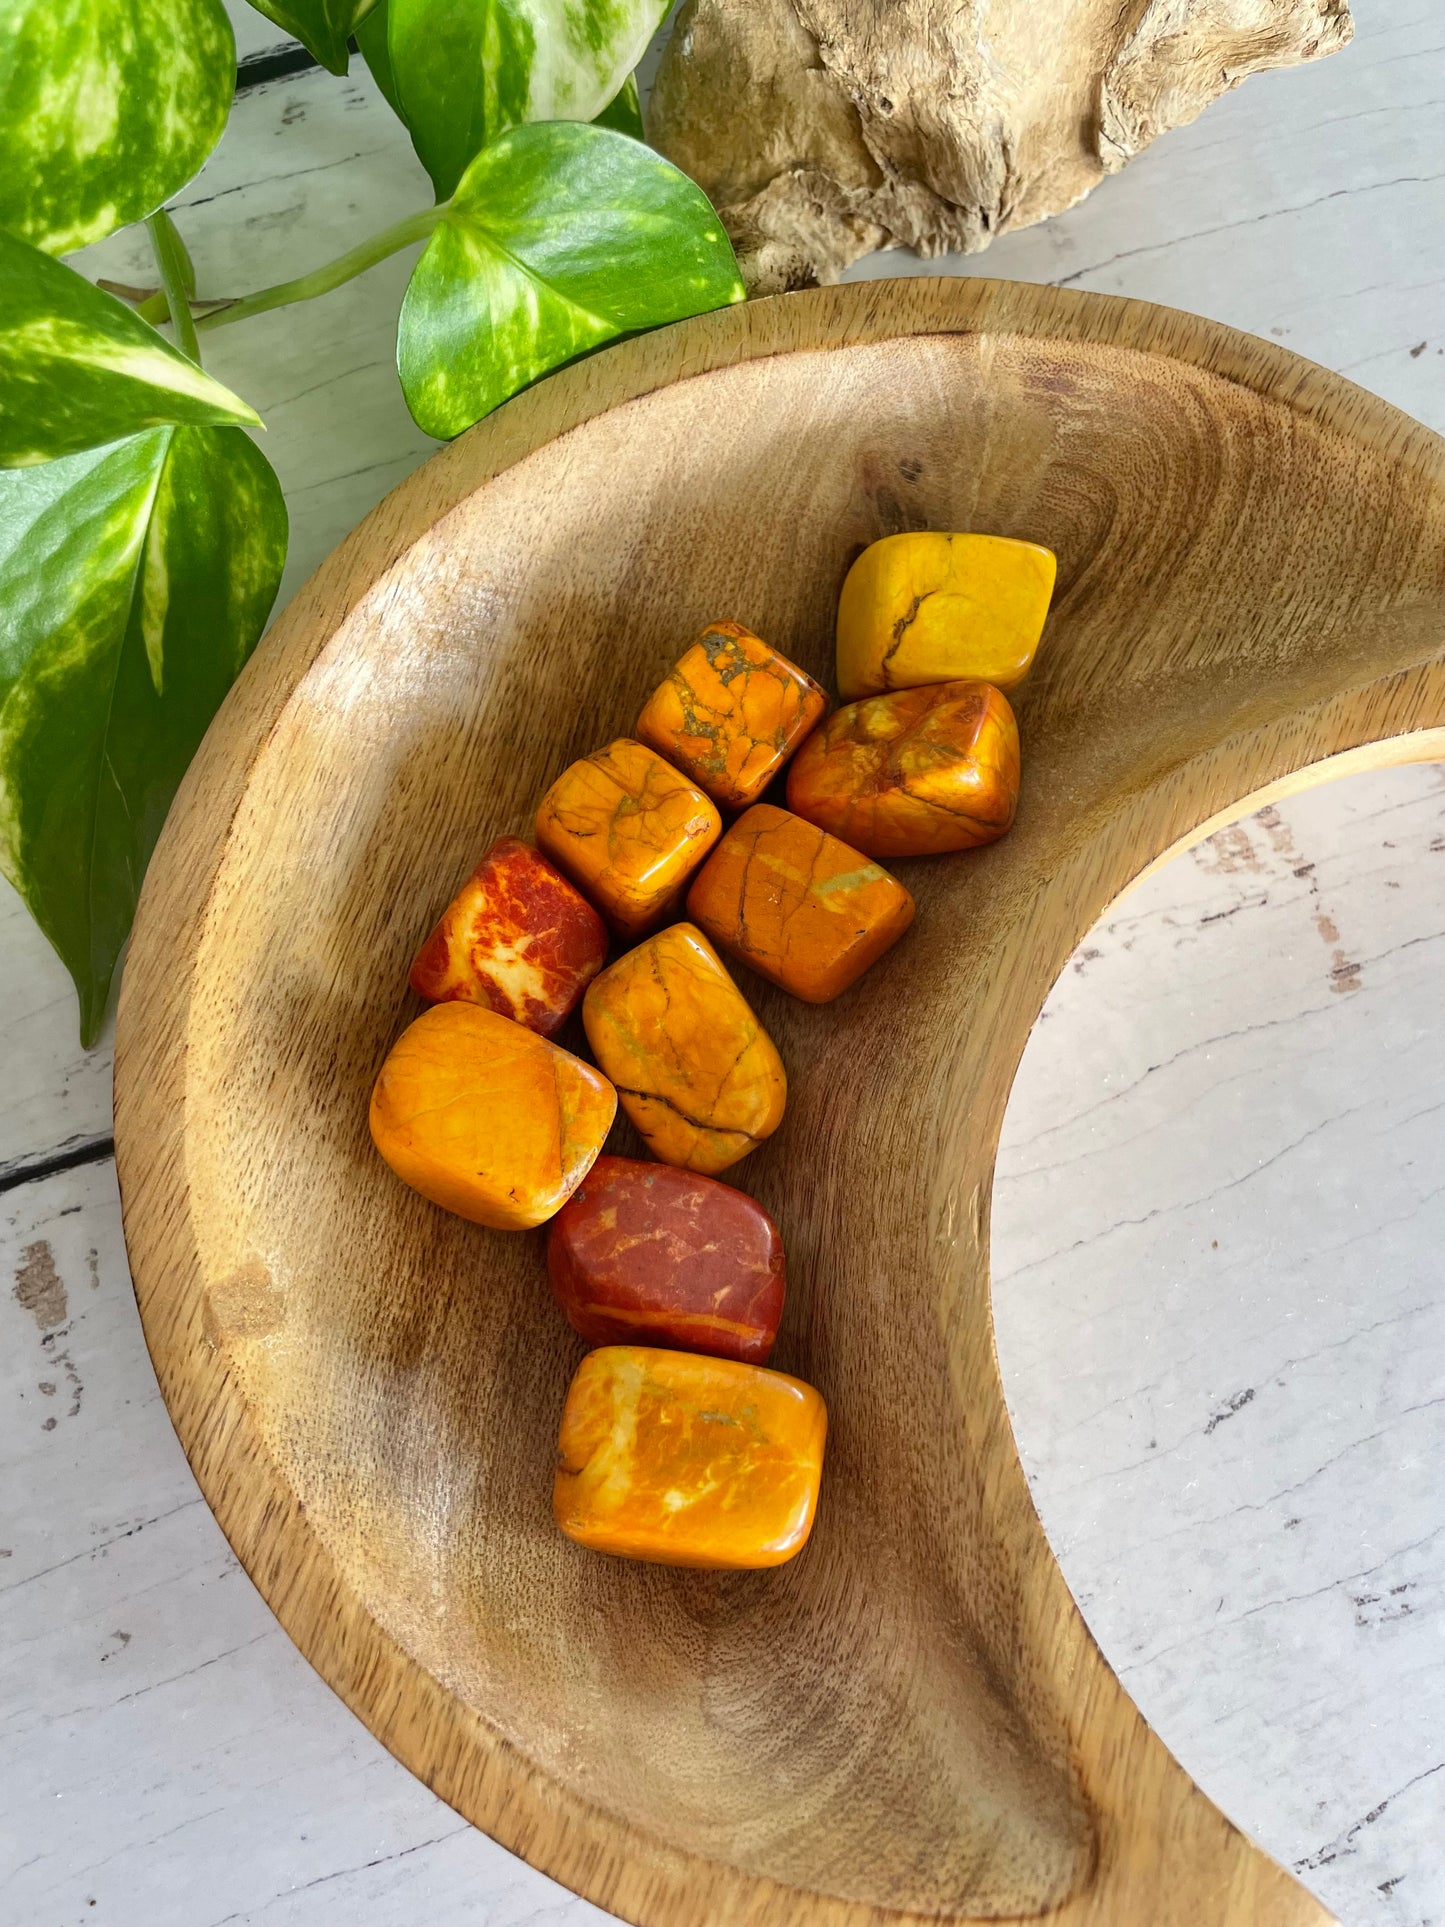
[647,1254]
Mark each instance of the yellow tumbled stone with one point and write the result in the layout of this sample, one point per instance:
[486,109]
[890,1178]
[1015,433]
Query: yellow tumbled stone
[927,607]
[688,1461]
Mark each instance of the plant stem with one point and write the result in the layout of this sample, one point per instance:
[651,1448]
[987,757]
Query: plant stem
[172,260]
[415,227]
[155,308]
[188,266]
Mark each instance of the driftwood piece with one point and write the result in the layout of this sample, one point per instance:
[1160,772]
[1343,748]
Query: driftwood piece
[823,129]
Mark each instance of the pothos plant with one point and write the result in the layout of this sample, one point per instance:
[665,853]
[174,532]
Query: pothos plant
[142,531]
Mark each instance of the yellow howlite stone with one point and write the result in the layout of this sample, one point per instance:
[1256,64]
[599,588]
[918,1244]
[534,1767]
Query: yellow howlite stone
[928,607]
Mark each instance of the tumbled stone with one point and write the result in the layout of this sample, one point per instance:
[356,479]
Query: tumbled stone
[695,1070]
[688,1461]
[796,905]
[647,1254]
[927,607]
[731,713]
[517,938]
[487,1119]
[629,830]
[914,773]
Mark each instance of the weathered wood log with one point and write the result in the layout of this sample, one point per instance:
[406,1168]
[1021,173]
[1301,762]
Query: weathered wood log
[823,129]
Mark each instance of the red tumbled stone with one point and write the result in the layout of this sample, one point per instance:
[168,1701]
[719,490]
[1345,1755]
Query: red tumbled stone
[647,1254]
[516,938]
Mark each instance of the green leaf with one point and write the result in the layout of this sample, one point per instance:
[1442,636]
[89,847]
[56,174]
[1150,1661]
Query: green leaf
[78,368]
[322,26]
[624,112]
[560,237]
[467,70]
[134,582]
[107,107]
[371,39]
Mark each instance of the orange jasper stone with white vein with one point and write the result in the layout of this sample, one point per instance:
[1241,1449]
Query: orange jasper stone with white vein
[688,1461]
[516,937]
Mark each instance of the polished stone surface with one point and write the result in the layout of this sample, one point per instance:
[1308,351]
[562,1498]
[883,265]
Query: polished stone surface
[487,1119]
[730,712]
[516,938]
[688,1461]
[629,830]
[646,1254]
[920,772]
[695,1070]
[929,606]
[793,903]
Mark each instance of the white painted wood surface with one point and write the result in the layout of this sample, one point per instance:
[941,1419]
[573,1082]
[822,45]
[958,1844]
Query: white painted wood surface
[1218,1221]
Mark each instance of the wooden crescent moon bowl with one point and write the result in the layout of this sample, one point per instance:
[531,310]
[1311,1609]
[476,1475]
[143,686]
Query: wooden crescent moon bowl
[910,1722]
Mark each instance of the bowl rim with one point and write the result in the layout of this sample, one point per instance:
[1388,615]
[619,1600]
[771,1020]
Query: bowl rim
[448,1745]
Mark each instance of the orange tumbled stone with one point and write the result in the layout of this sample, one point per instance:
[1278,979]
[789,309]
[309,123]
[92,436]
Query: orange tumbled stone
[695,1070]
[731,713]
[796,905]
[488,1119]
[516,937]
[914,773]
[688,1461]
[629,830]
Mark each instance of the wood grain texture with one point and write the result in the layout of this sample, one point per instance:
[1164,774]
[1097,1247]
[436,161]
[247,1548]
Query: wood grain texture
[912,1721]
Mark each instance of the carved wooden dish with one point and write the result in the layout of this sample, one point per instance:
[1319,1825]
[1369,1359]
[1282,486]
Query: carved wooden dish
[910,1722]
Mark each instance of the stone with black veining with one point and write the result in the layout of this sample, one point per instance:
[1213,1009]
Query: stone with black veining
[796,905]
[695,1070]
[928,607]
[918,772]
[629,830]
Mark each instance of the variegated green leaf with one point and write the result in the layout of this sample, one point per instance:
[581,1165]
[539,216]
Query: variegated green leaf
[107,107]
[624,111]
[371,39]
[560,237]
[134,582]
[467,70]
[78,368]
[322,26]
